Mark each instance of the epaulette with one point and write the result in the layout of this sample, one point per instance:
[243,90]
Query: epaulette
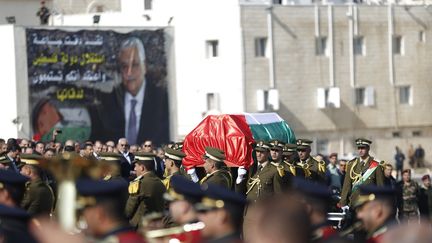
[351,161]
[280,169]
[134,187]
[322,166]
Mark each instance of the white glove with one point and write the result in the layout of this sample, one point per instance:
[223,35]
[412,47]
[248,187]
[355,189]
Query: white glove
[345,208]
[193,175]
[241,172]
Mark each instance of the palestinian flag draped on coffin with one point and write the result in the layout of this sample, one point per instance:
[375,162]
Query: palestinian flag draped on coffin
[236,135]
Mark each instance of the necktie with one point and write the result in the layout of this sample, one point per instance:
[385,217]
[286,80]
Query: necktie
[259,168]
[132,126]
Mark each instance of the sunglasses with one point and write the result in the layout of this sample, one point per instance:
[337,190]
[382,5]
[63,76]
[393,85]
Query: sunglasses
[146,145]
[123,145]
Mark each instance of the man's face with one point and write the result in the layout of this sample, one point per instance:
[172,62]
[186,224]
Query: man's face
[211,220]
[40,148]
[276,154]
[48,116]
[91,216]
[4,148]
[406,176]
[262,156]
[49,154]
[208,166]
[368,215]
[363,151]
[25,171]
[24,143]
[133,149]
[168,162]
[132,70]
[122,146]
[97,148]
[88,150]
[178,209]
[303,153]
[148,146]
[139,170]
[342,166]
[333,160]
[427,183]
[388,171]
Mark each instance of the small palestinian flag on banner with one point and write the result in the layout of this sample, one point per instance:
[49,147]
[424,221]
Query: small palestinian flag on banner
[235,135]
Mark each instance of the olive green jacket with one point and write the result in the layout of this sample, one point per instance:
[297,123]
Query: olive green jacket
[145,196]
[264,183]
[314,170]
[219,177]
[355,169]
[38,198]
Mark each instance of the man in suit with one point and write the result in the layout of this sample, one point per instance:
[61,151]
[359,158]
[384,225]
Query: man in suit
[141,102]
[126,160]
[146,191]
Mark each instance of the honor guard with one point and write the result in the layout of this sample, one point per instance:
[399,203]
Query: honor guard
[110,164]
[14,223]
[363,170]
[276,148]
[12,188]
[216,169]
[145,191]
[102,204]
[38,197]
[314,170]
[374,207]
[221,211]
[289,154]
[173,163]
[316,199]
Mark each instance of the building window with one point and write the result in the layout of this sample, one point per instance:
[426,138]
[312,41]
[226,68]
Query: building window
[321,46]
[212,101]
[359,46]
[364,96]
[416,133]
[147,4]
[422,37]
[396,134]
[359,96]
[405,96]
[328,97]
[261,47]
[212,48]
[398,45]
[322,146]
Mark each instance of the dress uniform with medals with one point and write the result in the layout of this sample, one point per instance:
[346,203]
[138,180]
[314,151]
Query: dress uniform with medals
[39,197]
[95,199]
[360,171]
[175,157]
[110,164]
[378,223]
[220,174]
[314,170]
[145,192]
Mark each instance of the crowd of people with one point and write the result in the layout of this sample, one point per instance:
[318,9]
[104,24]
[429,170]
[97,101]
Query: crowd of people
[140,193]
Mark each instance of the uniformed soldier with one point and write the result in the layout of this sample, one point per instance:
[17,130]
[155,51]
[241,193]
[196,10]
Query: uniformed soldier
[374,207]
[12,188]
[315,198]
[276,148]
[102,203]
[14,223]
[173,162]
[314,170]
[4,161]
[39,197]
[215,168]
[146,191]
[363,170]
[289,154]
[221,211]
[109,163]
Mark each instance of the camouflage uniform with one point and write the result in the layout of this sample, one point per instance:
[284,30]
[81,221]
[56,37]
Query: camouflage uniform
[408,206]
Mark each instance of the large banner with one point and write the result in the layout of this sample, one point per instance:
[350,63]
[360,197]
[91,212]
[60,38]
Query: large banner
[98,85]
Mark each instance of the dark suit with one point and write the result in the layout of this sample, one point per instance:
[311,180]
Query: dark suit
[108,117]
[126,167]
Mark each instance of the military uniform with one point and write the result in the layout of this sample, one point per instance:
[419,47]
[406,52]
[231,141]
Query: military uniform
[93,192]
[290,165]
[408,200]
[221,176]
[176,156]
[110,164]
[38,197]
[145,193]
[14,225]
[314,170]
[267,180]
